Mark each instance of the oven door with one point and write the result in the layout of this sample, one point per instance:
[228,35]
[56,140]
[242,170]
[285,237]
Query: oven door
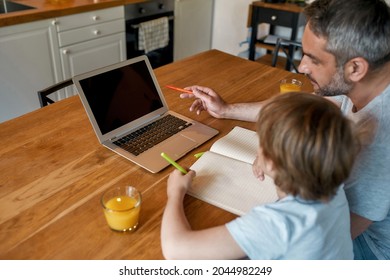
[157,57]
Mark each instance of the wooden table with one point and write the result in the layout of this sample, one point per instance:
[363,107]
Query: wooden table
[53,170]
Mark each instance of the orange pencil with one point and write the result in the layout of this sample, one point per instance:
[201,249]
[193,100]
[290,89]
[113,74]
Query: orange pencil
[179,89]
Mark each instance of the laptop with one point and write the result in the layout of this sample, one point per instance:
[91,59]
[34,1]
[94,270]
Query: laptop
[125,104]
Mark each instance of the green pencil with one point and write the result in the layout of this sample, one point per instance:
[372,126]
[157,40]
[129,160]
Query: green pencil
[174,163]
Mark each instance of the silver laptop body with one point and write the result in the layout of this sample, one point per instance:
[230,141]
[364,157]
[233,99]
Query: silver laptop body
[122,98]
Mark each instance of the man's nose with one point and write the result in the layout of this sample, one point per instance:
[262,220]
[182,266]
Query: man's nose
[303,66]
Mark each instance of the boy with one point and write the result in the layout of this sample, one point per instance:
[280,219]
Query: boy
[308,148]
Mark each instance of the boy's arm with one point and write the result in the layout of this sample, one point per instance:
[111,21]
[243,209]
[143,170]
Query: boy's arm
[179,241]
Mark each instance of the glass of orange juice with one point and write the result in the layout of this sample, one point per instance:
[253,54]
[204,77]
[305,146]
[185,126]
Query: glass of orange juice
[121,206]
[288,85]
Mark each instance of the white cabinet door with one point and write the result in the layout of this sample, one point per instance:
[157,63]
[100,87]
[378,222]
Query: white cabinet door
[83,57]
[193,26]
[89,41]
[29,61]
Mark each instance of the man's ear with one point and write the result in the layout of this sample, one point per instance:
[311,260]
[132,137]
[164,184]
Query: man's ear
[356,69]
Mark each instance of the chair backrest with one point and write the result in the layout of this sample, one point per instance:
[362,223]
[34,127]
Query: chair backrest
[44,100]
[288,47]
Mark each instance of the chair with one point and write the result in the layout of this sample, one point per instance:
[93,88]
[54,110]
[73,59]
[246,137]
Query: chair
[44,100]
[288,47]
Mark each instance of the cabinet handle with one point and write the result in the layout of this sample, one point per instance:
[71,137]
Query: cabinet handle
[96,32]
[274,17]
[95,18]
[54,22]
[65,51]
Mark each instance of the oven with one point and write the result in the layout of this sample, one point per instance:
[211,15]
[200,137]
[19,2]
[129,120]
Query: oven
[137,13]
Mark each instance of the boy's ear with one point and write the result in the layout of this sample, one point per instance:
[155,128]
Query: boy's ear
[269,164]
[356,69]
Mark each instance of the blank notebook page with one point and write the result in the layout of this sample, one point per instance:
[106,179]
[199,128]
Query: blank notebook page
[240,143]
[230,184]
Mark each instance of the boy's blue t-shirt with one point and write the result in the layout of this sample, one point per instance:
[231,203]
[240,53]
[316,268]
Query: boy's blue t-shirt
[292,228]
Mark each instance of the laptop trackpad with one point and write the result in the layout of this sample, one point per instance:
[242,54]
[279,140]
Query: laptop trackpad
[178,146]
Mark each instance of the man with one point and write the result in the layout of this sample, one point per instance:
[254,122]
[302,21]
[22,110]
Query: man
[346,56]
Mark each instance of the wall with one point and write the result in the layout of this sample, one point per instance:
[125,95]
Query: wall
[229,25]
[193,22]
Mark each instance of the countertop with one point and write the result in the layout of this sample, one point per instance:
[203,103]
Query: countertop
[45,9]
[289,7]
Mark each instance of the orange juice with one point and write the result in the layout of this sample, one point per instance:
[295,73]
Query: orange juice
[290,85]
[122,212]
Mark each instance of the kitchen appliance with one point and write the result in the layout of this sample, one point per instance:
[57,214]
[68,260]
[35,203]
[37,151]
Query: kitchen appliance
[9,7]
[137,13]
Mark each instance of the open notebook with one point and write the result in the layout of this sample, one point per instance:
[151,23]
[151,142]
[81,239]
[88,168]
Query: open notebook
[224,175]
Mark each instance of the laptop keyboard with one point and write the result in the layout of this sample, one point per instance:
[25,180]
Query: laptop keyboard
[152,134]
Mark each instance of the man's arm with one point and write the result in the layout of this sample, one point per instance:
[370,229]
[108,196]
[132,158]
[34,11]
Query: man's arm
[358,225]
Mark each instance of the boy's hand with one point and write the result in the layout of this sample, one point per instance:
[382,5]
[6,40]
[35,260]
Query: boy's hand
[257,171]
[179,183]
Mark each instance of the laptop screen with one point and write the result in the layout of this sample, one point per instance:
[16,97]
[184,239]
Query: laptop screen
[121,95]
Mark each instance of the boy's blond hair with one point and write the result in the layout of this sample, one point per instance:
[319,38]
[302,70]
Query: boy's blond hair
[311,144]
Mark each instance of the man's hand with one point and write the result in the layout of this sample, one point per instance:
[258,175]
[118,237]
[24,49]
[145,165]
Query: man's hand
[206,100]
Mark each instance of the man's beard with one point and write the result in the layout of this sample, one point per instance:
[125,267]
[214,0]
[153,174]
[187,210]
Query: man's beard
[337,86]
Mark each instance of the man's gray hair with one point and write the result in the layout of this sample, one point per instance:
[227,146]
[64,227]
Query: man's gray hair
[353,28]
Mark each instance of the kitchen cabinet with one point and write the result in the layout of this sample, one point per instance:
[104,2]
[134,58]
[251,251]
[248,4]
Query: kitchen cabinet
[89,41]
[28,61]
[41,53]
[89,55]
[193,27]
